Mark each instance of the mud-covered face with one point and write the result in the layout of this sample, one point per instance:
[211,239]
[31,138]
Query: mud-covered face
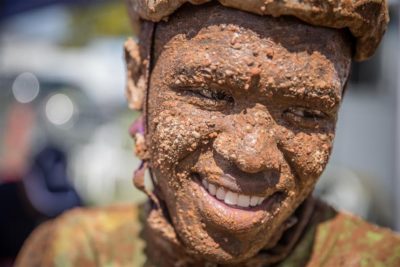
[241,112]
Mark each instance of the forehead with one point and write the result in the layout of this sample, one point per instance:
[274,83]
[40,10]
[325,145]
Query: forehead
[232,39]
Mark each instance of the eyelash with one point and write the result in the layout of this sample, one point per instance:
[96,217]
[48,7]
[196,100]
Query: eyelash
[212,95]
[307,113]
[308,118]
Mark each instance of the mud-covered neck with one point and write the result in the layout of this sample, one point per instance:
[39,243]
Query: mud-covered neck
[164,249]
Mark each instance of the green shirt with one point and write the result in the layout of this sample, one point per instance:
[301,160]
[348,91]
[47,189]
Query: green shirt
[109,237]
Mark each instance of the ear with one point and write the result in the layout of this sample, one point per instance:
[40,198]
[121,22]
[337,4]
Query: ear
[138,60]
[137,72]
[137,132]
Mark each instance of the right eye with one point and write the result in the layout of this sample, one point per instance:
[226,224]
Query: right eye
[305,117]
[213,95]
[208,98]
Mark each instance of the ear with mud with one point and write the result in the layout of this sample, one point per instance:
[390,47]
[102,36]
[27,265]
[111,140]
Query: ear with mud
[135,92]
[136,75]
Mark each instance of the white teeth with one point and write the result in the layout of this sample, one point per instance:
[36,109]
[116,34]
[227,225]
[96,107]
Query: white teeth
[221,193]
[231,198]
[243,201]
[205,183]
[254,201]
[212,189]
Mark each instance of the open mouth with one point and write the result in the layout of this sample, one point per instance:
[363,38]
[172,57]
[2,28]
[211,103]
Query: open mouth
[237,200]
[234,211]
[232,198]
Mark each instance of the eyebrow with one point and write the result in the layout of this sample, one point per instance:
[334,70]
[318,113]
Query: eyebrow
[194,76]
[327,97]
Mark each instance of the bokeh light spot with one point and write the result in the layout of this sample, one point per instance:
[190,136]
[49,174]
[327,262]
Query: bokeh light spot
[59,109]
[26,87]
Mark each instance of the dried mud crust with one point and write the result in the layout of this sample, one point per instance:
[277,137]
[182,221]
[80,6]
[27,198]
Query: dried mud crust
[367,20]
[228,96]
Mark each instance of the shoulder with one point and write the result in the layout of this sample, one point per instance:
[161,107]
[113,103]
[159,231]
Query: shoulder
[85,237]
[347,240]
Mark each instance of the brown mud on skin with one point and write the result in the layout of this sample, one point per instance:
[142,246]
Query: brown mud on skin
[251,98]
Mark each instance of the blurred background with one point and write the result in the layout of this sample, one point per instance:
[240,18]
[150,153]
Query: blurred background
[64,120]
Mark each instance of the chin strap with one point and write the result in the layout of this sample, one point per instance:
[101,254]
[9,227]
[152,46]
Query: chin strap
[139,63]
[139,128]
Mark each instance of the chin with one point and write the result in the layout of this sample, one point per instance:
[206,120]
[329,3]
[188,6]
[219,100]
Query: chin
[218,232]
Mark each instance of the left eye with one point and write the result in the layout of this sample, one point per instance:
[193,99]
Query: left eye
[304,117]
[214,95]
[307,113]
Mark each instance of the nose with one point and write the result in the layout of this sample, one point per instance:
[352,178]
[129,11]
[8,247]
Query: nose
[251,148]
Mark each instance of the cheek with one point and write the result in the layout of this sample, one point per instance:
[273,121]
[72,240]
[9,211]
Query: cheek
[176,132]
[307,154]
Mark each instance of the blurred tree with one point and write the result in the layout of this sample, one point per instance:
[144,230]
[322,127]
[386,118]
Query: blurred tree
[105,19]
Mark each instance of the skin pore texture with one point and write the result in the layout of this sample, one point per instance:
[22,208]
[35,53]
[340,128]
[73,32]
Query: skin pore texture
[245,106]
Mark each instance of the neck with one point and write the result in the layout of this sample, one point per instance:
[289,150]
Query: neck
[163,248]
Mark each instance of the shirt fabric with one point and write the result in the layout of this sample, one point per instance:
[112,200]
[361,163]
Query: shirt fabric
[110,237]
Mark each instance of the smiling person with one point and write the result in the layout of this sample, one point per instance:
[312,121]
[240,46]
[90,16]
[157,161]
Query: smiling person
[240,101]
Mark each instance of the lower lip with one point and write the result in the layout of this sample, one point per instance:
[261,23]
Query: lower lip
[237,219]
